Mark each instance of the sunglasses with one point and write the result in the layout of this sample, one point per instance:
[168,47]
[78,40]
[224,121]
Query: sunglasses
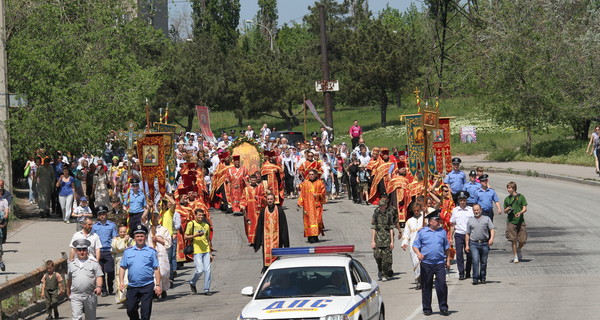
[81,249]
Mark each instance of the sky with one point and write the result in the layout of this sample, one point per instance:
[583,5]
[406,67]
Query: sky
[289,10]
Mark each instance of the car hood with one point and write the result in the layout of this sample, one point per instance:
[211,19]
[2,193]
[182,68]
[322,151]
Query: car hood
[296,307]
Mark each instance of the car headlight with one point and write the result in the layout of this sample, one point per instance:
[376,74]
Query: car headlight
[337,317]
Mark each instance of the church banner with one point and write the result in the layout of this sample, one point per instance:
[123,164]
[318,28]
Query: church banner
[204,118]
[151,152]
[441,145]
[416,145]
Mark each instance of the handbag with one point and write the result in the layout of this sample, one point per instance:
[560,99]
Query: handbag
[26,174]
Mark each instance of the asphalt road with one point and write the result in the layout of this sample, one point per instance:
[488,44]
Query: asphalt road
[557,278]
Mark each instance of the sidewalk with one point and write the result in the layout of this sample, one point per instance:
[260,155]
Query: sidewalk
[565,172]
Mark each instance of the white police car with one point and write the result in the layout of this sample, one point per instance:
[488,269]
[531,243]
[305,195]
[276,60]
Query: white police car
[315,288]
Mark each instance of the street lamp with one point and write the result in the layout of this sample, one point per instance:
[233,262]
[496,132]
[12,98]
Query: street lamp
[268,30]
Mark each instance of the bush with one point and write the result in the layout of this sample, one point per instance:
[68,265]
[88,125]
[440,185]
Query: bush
[502,155]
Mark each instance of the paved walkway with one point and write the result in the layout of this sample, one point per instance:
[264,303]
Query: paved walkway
[579,174]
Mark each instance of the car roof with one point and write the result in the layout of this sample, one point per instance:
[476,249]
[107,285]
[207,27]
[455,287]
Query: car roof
[311,261]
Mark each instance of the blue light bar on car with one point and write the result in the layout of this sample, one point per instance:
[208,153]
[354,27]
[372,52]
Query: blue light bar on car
[311,250]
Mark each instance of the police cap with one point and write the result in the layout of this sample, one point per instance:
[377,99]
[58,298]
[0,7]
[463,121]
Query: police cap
[81,244]
[140,228]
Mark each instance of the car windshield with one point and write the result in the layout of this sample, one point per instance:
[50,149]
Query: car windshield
[304,282]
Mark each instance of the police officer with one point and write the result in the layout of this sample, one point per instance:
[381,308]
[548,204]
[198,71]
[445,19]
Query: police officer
[460,216]
[143,275]
[137,203]
[382,239]
[432,247]
[487,198]
[84,282]
[456,179]
[106,231]
[471,187]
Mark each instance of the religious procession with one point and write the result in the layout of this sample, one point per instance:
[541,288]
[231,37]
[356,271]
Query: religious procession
[157,191]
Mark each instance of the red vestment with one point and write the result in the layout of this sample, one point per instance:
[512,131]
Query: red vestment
[381,175]
[397,189]
[219,179]
[311,199]
[186,214]
[237,182]
[274,180]
[309,165]
[253,200]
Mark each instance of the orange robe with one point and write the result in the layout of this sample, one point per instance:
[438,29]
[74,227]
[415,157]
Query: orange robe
[274,174]
[187,214]
[309,165]
[237,182]
[380,174]
[446,214]
[253,200]
[397,189]
[219,180]
[311,199]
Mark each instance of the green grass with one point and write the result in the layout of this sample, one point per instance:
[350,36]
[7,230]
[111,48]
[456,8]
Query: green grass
[500,142]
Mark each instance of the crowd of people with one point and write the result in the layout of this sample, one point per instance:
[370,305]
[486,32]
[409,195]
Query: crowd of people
[140,240]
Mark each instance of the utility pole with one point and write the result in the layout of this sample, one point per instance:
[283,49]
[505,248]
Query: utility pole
[325,68]
[5,161]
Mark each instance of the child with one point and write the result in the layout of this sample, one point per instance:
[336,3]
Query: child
[118,246]
[81,212]
[3,220]
[52,287]
[363,183]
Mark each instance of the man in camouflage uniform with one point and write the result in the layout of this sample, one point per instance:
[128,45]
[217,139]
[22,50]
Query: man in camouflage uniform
[382,239]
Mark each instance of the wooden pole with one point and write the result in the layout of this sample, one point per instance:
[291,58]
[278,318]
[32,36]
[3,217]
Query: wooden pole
[425,170]
[304,105]
[147,116]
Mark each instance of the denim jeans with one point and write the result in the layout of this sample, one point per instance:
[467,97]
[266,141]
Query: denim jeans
[31,191]
[479,252]
[202,265]
[172,252]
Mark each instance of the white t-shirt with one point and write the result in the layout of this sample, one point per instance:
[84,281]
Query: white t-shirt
[249,134]
[92,238]
[81,210]
[460,217]
[325,137]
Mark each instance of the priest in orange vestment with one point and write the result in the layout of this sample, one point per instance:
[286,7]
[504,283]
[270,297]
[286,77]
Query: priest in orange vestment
[311,199]
[237,177]
[381,174]
[272,177]
[253,200]
[271,231]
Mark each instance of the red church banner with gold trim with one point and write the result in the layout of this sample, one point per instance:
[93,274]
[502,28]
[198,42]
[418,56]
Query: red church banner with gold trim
[441,145]
[151,154]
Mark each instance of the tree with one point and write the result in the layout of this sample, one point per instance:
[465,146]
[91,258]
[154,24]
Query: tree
[83,72]
[217,18]
[379,61]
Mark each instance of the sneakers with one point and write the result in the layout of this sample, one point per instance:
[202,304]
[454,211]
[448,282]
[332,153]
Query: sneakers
[2,266]
[379,276]
[193,288]
[207,293]
[516,259]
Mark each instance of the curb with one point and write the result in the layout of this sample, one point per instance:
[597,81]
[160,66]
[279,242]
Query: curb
[535,174]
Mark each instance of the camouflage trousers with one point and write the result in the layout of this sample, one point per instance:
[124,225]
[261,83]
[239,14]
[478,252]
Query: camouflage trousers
[383,257]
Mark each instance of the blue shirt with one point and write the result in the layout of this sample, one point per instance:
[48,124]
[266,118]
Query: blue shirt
[141,264]
[106,232]
[432,244]
[456,180]
[137,202]
[66,188]
[58,169]
[487,198]
[471,187]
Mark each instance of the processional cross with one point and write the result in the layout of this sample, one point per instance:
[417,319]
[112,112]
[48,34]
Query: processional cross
[130,135]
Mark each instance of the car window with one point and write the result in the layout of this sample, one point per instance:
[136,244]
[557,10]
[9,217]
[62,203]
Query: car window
[304,282]
[362,273]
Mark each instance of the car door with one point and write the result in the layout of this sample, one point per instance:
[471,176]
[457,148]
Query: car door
[373,300]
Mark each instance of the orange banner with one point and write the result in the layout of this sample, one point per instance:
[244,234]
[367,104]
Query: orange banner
[441,146]
[151,152]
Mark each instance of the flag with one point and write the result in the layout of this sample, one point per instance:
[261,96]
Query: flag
[415,135]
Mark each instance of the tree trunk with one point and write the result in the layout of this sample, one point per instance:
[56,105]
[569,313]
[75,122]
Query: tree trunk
[528,142]
[190,120]
[285,117]
[580,129]
[384,105]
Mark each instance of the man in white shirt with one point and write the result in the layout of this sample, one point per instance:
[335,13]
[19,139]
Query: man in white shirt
[324,137]
[460,216]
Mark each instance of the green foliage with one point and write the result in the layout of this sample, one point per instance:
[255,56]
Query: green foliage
[83,72]
[218,19]
[502,155]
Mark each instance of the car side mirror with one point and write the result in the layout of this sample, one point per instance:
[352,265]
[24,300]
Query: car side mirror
[248,291]
[362,286]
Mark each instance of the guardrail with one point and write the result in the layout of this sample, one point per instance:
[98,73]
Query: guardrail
[26,303]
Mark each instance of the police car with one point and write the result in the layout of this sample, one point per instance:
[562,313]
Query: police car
[315,288]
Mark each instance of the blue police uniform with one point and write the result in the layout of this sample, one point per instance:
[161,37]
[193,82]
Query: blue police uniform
[106,232]
[456,180]
[140,263]
[471,187]
[137,203]
[433,244]
[486,199]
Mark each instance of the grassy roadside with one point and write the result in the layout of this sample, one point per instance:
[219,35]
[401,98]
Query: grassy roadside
[500,143]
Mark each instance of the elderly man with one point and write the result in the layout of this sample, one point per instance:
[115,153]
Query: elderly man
[479,238]
[84,282]
[432,247]
[86,233]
